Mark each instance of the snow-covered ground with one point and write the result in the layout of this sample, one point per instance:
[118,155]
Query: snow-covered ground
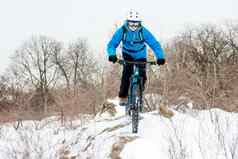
[210,134]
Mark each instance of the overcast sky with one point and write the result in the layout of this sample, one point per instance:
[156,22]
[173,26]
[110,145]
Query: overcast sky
[65,20]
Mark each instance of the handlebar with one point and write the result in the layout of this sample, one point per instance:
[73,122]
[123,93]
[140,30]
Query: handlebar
[123,62]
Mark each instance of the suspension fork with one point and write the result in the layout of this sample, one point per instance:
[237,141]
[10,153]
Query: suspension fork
[133,86]
[141,88]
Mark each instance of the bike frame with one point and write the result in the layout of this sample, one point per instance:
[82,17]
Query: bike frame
[135,101]
[136,82]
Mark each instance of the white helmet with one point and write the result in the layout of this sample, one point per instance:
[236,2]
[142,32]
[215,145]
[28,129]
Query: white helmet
[133,16]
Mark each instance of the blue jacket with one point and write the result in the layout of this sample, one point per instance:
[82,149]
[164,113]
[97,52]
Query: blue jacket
[133,44]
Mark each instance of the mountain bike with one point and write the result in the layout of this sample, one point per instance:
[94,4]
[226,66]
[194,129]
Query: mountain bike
[136,92]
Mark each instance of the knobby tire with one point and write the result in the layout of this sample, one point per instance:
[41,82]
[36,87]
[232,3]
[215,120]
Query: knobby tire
[134,108]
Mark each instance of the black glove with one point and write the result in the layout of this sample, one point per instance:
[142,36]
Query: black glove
[161,61]
[112,58]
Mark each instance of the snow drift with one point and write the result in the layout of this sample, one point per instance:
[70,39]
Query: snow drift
[192,134]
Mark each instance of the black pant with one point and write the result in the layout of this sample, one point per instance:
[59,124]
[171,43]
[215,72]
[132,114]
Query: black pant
[126,74]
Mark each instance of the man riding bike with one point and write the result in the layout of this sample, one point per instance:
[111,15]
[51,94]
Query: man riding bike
[134,37]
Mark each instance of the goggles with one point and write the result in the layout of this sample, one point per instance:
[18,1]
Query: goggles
[133,24]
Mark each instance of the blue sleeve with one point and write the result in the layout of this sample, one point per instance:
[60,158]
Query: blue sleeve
[153,43]
[114,42]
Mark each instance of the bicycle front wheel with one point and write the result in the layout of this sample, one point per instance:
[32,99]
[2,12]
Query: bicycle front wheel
[134,108]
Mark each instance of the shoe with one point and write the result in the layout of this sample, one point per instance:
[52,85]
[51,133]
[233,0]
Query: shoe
[165,111]
[123,101]
[128,111]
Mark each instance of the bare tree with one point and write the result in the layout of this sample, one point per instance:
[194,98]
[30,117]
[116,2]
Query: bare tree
[83,66]
[34,62]
[61,60]
[80,69]
[201,65]
[232,36]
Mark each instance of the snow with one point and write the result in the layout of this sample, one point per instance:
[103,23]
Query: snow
[142,148]
[192,134]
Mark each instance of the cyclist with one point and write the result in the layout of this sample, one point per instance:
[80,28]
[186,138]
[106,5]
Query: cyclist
[134,37]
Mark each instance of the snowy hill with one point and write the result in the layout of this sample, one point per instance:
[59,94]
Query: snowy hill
[191,135]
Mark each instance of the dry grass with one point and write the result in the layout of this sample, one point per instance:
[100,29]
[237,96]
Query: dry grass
[66,104]
[213,90]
